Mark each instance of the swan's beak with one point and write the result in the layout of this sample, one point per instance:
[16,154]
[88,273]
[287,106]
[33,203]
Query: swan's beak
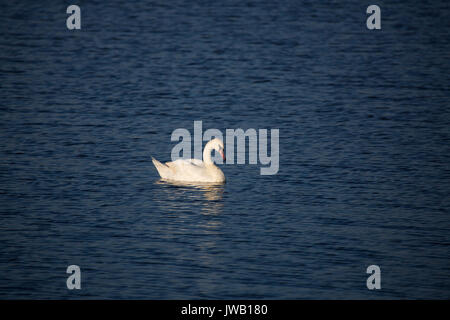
[223,155]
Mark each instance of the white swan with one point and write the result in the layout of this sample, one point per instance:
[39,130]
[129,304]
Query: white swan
[194,170]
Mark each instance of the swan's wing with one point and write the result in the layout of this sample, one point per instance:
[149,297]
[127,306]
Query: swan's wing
[196,162]
[188,170]
[163,170]
[185,164]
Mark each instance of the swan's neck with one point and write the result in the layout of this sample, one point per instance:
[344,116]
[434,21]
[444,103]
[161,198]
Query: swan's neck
[207,155]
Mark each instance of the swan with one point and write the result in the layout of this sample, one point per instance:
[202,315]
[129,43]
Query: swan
[194,170]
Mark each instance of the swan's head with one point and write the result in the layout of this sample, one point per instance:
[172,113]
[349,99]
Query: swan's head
[217,145]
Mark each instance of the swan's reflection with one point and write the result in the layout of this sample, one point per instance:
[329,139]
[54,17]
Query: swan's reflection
[197,234]
[208,194]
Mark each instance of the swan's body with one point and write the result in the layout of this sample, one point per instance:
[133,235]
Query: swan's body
[194,170]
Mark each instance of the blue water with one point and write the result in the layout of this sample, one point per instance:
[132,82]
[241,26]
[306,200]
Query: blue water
[364,177]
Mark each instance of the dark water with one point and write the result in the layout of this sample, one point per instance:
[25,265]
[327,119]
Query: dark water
[364,120]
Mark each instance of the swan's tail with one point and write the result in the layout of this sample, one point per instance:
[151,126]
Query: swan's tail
[163,170]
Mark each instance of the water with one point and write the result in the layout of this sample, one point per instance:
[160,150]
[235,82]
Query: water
[364,173]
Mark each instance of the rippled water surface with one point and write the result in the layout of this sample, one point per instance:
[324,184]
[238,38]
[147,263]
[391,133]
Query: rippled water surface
[364,122]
